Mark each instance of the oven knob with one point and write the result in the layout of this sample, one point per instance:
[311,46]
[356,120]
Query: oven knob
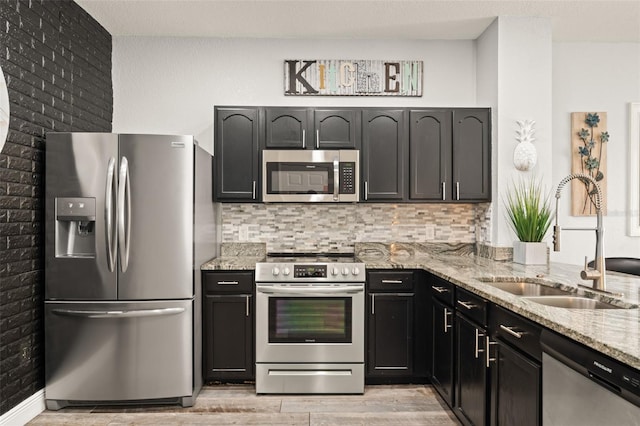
[286,271]
[355,271]
[334,271]
[275,271]
[345,271]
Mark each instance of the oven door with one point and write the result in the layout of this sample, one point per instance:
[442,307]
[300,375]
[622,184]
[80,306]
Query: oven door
[309,323]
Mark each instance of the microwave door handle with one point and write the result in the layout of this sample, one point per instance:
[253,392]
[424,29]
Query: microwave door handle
[336,179]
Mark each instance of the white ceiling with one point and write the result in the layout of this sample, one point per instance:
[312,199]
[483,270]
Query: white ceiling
[574,20]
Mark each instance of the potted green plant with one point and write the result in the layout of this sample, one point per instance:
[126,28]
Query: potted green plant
[529,214]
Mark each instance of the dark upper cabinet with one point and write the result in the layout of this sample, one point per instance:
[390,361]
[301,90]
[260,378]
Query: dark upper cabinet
[429,154]
[336,129]
[471,155]
[384,140]
[236,154]
[228,330]
[288,128]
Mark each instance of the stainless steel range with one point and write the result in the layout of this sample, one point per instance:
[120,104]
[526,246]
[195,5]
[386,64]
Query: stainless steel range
[310,325]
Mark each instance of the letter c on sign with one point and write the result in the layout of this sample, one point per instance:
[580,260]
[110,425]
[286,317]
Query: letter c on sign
[347,76]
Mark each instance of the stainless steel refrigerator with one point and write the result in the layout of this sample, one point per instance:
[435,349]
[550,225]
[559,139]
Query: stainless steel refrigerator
[129,221]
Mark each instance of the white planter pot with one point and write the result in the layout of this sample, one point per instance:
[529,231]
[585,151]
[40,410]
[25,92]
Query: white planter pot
[530,253]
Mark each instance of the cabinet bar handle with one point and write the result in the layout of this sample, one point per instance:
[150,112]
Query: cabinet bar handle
[228,282]
[441,289]
[489,343]
[304,138]
[317,138]
[511,331]
[254,190]
[478,336]
[444,186]
[373,304]
[447,326]
[366,190]
[457,190]
[391,281]
[247,305]
[467,305]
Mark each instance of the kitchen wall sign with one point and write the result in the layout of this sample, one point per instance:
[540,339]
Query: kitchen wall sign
[340,77]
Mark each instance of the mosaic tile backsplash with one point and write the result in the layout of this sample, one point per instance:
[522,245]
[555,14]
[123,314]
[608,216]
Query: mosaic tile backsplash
[337,227]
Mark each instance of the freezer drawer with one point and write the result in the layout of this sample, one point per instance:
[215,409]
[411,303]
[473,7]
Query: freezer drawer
[113,351]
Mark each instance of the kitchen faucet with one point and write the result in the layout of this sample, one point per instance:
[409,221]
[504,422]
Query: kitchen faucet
[597,275]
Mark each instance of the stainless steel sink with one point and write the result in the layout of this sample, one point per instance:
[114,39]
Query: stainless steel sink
[571,302]
[524,287]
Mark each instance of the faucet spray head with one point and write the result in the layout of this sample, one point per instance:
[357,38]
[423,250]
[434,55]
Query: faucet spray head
[556,238]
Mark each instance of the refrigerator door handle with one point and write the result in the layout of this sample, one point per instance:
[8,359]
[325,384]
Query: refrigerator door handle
[124,215]
[118,314]
[112,189]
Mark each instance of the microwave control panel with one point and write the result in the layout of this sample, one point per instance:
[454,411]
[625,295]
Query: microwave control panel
[347,178]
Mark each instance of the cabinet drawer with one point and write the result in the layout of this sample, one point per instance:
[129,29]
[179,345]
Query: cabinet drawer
[228,282]
[443,290]
[472,306]
[390,281]
[516,330]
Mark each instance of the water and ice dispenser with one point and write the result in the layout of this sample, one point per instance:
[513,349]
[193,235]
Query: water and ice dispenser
[75,227]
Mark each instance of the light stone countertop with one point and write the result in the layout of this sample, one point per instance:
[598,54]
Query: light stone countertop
[614,332]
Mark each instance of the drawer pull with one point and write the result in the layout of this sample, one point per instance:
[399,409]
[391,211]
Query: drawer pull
[467,305]
[228,283]
[447,326]
[440,289]
[392,281]
[511,331]
[489,343]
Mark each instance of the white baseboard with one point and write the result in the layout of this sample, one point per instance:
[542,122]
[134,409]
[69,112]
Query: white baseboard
[24,412]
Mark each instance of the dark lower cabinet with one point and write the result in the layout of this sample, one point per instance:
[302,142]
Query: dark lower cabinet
[397,345]
[228,328]
[443,350]
[390,349]
[472,391]
[516,369]
[517,382]
[229,347]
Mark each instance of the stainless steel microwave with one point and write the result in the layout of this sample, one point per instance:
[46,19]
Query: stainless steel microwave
[309,176]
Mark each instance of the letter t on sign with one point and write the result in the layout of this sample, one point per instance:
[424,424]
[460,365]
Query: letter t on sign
[297,76]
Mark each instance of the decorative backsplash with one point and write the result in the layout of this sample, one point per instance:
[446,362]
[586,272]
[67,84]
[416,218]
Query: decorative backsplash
[337,227]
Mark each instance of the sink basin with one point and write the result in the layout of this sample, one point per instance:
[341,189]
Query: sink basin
[572,302]
[524,287]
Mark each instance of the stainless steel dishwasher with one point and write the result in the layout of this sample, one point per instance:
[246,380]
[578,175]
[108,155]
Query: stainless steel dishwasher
[583,387]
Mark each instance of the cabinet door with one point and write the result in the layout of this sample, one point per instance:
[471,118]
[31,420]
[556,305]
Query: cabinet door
[471,152]
[472,382]
[336,129]
[228,335]
[236,154]
[383,155]
[518,389]
[287,128]
[443,351]
[430,155]
[390,337]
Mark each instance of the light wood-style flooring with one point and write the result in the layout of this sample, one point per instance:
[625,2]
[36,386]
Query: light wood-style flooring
[397,405]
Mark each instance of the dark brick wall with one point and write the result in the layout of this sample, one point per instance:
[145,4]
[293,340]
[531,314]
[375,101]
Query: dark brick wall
[57,63]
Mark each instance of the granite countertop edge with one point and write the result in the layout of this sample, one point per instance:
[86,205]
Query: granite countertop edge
[615,333]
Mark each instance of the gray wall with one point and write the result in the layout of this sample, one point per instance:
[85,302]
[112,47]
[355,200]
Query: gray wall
[57,63]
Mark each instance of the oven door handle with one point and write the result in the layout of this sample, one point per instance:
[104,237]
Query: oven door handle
[309,291]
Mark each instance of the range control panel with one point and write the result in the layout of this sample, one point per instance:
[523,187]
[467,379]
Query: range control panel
[310,272]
